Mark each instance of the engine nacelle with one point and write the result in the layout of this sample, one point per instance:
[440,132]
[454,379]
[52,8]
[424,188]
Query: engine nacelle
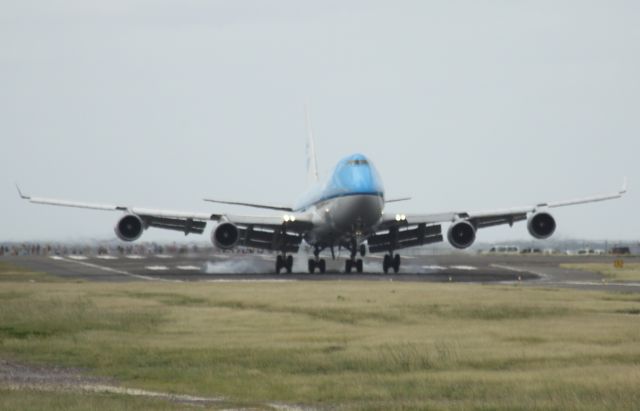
[461,234]
[129,228]
[541,225]
[225,236]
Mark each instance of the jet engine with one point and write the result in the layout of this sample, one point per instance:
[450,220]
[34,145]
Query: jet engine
[541,225]
[129,227]
[461,234]
[225,236]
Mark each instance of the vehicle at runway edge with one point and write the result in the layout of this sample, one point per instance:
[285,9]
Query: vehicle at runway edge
[345,211]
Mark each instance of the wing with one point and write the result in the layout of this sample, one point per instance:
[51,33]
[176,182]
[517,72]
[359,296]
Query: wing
[187,221]
[405,230]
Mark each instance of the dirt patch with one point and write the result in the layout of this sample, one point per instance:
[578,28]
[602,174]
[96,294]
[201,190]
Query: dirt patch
[19,376]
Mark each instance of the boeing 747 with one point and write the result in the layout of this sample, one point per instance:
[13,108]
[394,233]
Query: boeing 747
[347,211]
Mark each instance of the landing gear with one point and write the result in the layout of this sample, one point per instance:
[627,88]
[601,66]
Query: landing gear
[317,262]
[284,261]
[320,264]
[353,264]
[391,261]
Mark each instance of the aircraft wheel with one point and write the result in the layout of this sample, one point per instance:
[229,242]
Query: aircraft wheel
[386,263]
[312,265]
[359,265]
[322,266]
[347,266]
[363,250]
[279,264]
[396,263]
[289,264]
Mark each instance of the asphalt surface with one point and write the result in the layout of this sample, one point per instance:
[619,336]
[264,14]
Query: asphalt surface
[534,270]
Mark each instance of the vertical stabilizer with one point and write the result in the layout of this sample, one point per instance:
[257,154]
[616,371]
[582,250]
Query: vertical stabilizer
[312,162]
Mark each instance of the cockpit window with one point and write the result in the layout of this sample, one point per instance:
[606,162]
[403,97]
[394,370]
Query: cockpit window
[357,162]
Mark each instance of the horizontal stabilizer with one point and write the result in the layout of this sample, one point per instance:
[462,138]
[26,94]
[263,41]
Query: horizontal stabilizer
[268,207]
[396,200]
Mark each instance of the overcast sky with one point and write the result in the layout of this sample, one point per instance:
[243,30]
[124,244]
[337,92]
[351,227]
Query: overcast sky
[463,105]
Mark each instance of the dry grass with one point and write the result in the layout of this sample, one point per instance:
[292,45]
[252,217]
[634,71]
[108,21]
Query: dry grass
[338,344]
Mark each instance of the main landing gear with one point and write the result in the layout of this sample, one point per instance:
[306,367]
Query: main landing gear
[391,261]
[317,262]
[284,261]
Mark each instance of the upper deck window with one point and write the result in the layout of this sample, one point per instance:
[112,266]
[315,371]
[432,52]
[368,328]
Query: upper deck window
[357,162]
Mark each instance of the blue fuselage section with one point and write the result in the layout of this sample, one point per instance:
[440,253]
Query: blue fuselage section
[346,206]
[353,176]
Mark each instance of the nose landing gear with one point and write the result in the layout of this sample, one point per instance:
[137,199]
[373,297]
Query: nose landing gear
[354,263]
[317,262]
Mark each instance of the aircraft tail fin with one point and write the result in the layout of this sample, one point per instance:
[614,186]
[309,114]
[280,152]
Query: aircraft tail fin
[312,162]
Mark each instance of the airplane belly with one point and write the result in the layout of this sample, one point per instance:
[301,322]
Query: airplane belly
[344,216]
[356,213]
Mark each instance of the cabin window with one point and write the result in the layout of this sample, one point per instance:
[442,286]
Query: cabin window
[357,162]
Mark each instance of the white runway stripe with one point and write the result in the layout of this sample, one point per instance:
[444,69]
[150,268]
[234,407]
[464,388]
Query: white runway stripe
[188,268]
[463,267]
[77,257]
[135,257]
[434,267]
[163,256]
[56,257]
[113,270]
[157,267]
[106,257]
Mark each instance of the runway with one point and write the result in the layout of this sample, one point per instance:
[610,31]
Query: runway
[530,270]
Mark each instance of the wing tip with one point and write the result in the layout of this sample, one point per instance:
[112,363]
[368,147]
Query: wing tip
[21,194]
[624,186]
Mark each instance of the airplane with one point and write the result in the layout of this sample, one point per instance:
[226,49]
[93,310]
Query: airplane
[344,211]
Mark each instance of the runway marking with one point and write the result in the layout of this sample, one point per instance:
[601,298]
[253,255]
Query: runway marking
[163,256]
[56,257]
[463,267]
[77,257]
[542,276]
[241,280]
[434,267]
[106,257]
[188,268]
[157,267]
[113,270]
[135,257]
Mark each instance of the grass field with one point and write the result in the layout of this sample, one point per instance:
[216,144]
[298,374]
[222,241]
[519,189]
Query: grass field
[630,271]
[329,345]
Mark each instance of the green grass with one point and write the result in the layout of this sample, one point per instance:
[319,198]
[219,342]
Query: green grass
[630,272]
[350,345]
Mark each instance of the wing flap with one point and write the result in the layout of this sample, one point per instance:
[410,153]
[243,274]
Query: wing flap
[403,237]
[187,226]
[269,239]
